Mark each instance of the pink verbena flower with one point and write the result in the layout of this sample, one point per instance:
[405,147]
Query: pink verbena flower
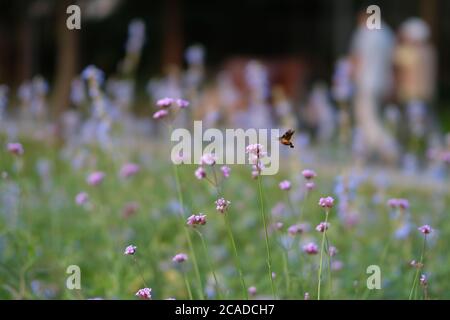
[81,198]
[423,280]
[165,102]
[332,251]
[144,293]
[310,248]
[425,229]
[295,229]
[95,178]
[129,170]
[130,250]
[160,114]
[337,265]
[225,171]
[222,205]
[180,258]
[416,264]
[285,185]
[182,103]
[310,185]
[208,159]
[309,174]
[398,203]
[278,225]
[15,148]
[321,227]
[255,152]
[200,173]
[255,149]
[252,291]
[199,219]
[326,202]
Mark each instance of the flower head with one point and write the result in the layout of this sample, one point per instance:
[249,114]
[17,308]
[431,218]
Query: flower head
[278,225]
[416,264]
[285,185]
[332,251]
[225,171]
[425,229]
[310,248]
[160,114]
[95,178]
[310,185]
[321,227]
[144,293]
[208,159]
[398,203]
[180,258]
[295,229]
[255,149]
[326,202]
[182,103]
[200,173]
[222,205]
[337,265]
[199,219]
[129,170]
[252,291]
[164,102]
[15,148]
[309,174]
[423,280]
[130,250]
[81,198]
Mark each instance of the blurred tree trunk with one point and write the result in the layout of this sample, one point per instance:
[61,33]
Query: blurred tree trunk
[172,49]
[67,44]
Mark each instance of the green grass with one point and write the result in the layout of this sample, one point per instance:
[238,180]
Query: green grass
[47,232]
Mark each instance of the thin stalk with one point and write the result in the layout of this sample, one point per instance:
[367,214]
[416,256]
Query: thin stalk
[188,236]
[139,271]
[236,257]
[266,235]
[188,286]
[286,272]
[182,220]
[321,257]
[416,276]
[211,267]
[329,264]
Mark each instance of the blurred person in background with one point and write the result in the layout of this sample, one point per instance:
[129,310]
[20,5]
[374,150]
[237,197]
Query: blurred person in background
[415,65]
[371,55]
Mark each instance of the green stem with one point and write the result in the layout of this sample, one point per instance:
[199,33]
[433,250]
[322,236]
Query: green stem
[211,267]
[418,268]
[286,272]
[236,257]
[321,257]
[139,271]
[330,279]
[266,235]
[188,236]
[188,286]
